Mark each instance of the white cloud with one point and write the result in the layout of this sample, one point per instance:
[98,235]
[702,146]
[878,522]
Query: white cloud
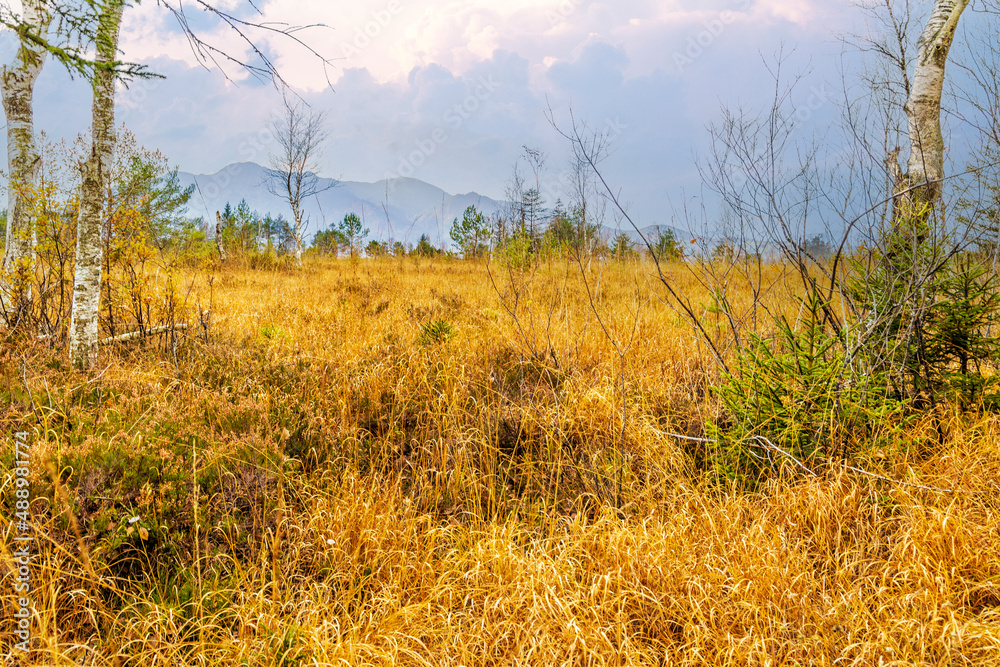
[391,37]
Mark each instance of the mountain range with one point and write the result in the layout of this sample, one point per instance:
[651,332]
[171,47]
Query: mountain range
[402,209]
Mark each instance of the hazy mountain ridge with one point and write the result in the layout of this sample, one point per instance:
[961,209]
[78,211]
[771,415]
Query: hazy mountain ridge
[399,208]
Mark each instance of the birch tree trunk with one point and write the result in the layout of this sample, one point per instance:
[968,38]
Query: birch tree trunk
[298,246]
[218,238]
[87,278]
[923,109]
[295,183]
[23,162]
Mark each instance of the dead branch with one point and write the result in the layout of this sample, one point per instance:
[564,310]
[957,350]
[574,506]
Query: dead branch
[142,334]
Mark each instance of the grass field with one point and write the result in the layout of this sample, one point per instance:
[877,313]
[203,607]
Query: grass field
[426,463]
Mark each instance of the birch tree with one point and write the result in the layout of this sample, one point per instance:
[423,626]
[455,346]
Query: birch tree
[23,161]
[299,134]
[922,184]
[87,277]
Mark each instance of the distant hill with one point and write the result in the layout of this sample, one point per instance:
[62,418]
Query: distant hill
[413,206]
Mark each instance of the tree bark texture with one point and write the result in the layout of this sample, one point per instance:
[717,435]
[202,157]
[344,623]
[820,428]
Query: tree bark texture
[87,277]
[218,238]
[23,161]
[923,108]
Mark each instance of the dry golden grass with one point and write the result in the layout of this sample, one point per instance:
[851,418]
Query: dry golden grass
[326,481]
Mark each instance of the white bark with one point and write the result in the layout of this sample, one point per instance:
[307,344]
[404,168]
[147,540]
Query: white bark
[87,277]
[923,109]
[23,161]
[218,238]
[132,335]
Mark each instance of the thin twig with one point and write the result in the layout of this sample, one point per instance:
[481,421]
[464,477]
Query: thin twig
[24,379]
[896,481]
[860,471]
[770,446]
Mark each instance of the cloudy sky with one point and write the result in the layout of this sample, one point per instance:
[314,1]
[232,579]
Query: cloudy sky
[451,91]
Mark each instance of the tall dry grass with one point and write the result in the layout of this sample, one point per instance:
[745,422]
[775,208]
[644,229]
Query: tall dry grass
[402,462]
